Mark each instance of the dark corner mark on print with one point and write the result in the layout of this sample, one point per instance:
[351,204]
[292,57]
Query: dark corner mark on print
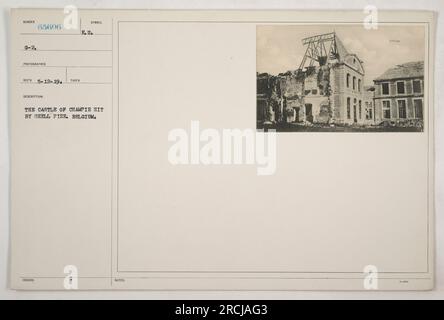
[340,78]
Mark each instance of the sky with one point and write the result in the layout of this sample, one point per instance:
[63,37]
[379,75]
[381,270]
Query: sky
[279,48]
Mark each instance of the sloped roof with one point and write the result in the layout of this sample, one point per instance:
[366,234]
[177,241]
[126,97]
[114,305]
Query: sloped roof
[406,70]
[342,51]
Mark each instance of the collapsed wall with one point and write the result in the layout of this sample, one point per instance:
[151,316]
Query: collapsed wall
[296,96]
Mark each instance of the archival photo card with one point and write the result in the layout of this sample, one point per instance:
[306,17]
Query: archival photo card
[144,151]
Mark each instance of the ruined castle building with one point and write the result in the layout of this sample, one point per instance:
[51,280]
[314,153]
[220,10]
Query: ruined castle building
[327,88]
[399,94]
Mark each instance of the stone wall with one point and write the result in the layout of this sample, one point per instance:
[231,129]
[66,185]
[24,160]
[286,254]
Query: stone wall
[299,96]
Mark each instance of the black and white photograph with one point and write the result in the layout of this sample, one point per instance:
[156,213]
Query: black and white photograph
[340,78]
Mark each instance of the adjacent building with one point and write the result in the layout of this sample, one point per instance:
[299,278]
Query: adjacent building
[399,95]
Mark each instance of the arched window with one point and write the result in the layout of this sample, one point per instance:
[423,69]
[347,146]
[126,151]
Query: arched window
[360,109]
[359,85]
[354,83]
[348,80]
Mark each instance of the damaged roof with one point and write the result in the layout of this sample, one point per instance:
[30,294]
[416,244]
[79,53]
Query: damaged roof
[342,51]
[406,70]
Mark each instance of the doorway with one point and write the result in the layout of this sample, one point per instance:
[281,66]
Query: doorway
[296,114]
[309,112]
